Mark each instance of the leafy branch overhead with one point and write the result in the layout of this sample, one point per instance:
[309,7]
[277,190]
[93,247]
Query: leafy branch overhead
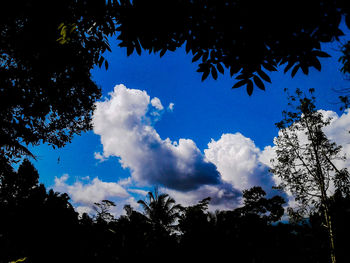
[48,48]
[47,51]
[247,38]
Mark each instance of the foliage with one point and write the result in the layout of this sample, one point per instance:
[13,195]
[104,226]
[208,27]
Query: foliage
[47,50]
[161,210]
[345,58]
[255,203]
[305,161]
[102,209]
[36,225]
[305,156]
[248,38]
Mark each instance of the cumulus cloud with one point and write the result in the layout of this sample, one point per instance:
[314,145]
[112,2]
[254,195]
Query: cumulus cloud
[229,165]
[84,195]
[88,193]
[338,132]
[125,130]
[237,159]
[157,103]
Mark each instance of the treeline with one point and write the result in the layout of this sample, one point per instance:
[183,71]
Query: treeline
[37,225]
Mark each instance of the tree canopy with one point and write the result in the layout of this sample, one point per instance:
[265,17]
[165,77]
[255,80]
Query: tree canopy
[248,38]
[47,50]
[37,226]
[305,162]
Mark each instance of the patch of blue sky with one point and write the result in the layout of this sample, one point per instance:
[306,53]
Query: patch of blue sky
[203,110]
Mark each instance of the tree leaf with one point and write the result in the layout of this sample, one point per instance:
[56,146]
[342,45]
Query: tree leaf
[162,52]
[321,54]
[220,68]
[233,70]
[188,47]
[205,74]
[259,83]
[202,67]
[316,63]
[138,47]
[60,26]
[263,75]
[250,87]
[242,76]
[240,83]
[295,70]
[347,20]
[100,61]
[106,64]
[214,73]
[197,56]
[129,49]
[108,47]
[205,56]
[304,68]
[269,67]
[289,65]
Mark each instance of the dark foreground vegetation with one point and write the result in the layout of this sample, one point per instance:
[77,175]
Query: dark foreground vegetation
[43,226]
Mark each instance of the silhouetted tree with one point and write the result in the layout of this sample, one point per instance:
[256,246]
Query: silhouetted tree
[305,161]
[254,202]
[134,234]
[248,38]
[162,213]
[47,94]
[47,50]
[197,226]
[161,210]
[103,211]
[33,223]
[41,226]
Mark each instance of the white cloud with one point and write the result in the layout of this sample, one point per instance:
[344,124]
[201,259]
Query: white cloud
[171,106]
[84,195]
[125,132]
[84,209]
[125,182]
[87,178]
[230,164]
[99,156]
[91,192]
[338,132]
[157,104]
[138,191]
[237,159]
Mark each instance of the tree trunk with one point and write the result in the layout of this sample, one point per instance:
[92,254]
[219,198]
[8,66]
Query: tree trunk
[330,233]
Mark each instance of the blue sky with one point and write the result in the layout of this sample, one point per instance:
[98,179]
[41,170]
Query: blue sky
[202,110]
